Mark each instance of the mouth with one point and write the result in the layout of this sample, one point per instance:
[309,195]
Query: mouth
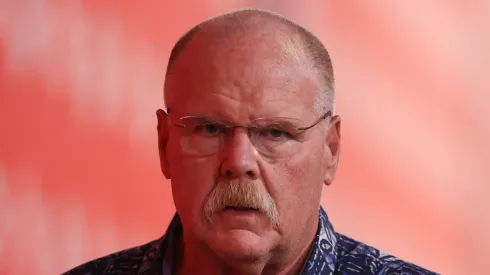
[240,208]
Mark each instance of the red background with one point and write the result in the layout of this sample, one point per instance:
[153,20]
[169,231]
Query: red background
[80,82]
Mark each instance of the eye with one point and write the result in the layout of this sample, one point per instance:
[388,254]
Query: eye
[208,129]
[275,133]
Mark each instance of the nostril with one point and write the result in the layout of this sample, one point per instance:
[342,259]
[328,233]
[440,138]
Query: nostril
[248,173]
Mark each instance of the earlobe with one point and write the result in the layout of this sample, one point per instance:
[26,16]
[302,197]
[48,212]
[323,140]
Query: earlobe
[163,134]
[328,179]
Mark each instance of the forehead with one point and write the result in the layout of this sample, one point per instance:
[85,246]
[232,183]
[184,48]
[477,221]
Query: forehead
[252,73]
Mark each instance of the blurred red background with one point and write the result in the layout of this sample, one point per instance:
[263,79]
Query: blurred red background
[80,82]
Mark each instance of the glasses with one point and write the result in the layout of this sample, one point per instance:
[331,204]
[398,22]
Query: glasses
[272,137]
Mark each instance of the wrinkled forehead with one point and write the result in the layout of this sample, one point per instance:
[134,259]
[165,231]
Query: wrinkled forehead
[260,64]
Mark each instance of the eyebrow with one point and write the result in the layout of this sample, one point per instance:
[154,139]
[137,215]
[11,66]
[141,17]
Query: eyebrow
[274,120]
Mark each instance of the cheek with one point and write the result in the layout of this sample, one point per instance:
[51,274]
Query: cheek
[192,180]
[299,182]
[305,168]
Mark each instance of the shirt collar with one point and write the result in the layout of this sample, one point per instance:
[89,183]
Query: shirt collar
[321,259]
[323,253]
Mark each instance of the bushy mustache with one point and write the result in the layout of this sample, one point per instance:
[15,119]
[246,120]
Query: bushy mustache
[241,193]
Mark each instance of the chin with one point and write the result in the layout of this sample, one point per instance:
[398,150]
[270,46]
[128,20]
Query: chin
[240,244]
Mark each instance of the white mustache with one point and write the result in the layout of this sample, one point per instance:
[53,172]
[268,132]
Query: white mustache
[241,193]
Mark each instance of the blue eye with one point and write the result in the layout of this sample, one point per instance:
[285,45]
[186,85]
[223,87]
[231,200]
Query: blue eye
[275,134]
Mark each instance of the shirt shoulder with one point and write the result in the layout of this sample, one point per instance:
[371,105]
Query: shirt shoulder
[128,261]
[358,258]
[155,257]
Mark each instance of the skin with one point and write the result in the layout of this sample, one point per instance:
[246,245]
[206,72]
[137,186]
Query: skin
[241,78]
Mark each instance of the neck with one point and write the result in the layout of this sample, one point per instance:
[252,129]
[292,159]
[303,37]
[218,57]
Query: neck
[199,259]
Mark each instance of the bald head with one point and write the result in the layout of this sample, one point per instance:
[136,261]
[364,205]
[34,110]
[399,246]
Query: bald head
[254,25]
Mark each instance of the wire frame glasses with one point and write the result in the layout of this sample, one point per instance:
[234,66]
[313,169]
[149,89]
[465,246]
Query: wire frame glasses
[272,137]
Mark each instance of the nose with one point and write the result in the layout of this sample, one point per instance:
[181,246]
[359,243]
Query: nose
[239,157]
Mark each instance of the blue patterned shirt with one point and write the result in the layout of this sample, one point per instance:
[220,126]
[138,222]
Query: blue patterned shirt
[331,253]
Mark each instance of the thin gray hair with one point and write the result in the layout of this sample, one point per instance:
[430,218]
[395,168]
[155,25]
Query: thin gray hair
[310,44]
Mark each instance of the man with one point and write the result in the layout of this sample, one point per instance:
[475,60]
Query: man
[248,140]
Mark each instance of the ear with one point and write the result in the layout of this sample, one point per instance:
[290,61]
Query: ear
[332,149]
[163,135]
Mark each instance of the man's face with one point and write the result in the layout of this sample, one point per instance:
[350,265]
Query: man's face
[246,197]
